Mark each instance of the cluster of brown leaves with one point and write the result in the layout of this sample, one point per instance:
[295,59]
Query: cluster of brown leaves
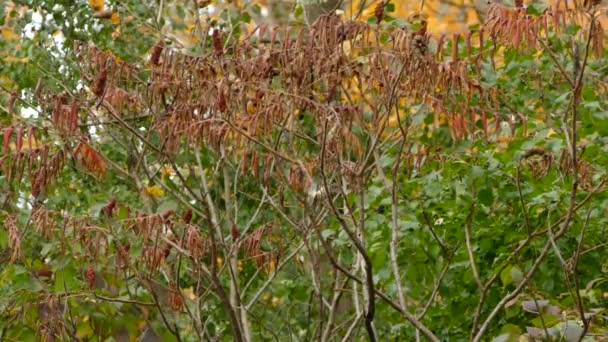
[89,158]
[252,247]
[194,242]
[585,170]
[122,254]
[541,161]
[22,150]
[176,302]
[514,27]
[109,77]
[250,165]
[94,240]
[148,225]
[243,92]
[64,116]
[153,256]
[14,237]
[50,168]
[90,276]
[15,156]
[51,321]
[43,221]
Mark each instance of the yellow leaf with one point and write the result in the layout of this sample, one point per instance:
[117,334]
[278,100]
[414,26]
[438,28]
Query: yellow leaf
[346,47]
[96,5]
[154,191]
[5,81]
[166,170]
[13,59]
[144,29]
[189,293]
[115,18]
[250,107]
[116,33]
[9,34]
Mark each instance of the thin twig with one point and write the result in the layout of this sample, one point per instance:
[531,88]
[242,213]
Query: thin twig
[467,236]
[524,208]
[579,300]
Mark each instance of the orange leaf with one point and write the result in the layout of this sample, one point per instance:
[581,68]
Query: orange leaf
[96,5]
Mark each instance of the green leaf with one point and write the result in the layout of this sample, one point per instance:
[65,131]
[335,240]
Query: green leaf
[69,275]
[516,275]
[46,248]
[505,276]
[3,239]
[327,233]
[297,13]
[486,197]
[536,9]
[167,205]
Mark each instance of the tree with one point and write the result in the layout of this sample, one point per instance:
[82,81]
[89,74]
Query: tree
[181,172]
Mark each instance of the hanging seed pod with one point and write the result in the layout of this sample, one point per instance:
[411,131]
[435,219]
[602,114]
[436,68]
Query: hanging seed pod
[19,134]
[193,242]
[497,128]
[293,179]
[481,42]
[484,123]
[153,257]
[455,39]
[100,82]
[286,39]
[166,251]
[379,12]
[6,136]
[123,255]
[108,209]
[440,46]
[221,102]
[267,169]
[14,238]
[597,39]
[218,46]
[90,276]
[517,33]
[546,25]
[11,103]
[281,196]
[187,217]
[244,164]
[254,165]
[30,138]
[557,20]
[511,123]
[467,38]
[175,300]
[156,52]
[235,233]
